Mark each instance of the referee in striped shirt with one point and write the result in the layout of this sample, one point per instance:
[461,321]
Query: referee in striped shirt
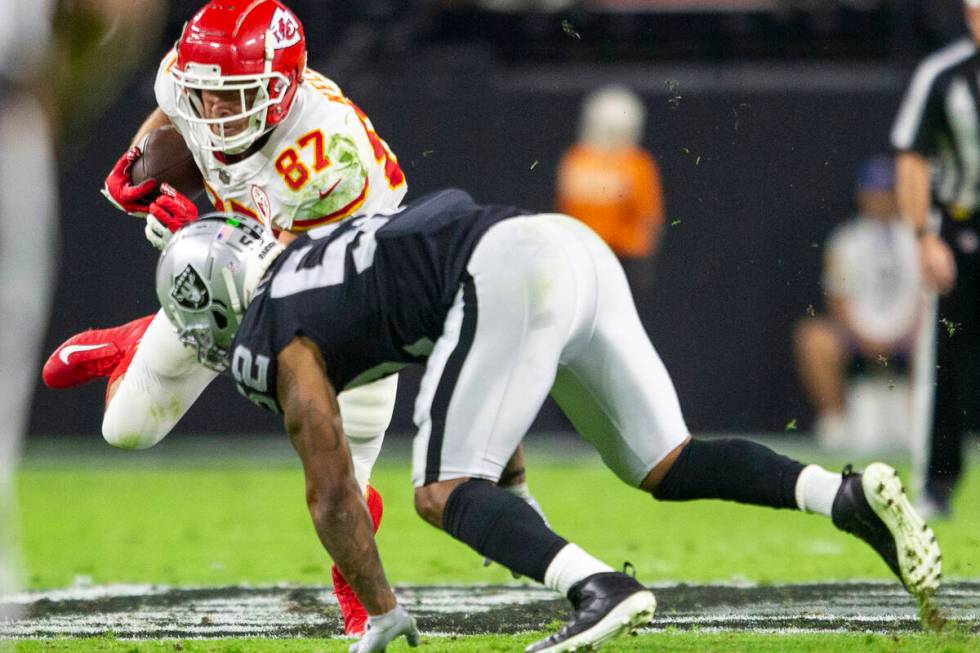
[937,136]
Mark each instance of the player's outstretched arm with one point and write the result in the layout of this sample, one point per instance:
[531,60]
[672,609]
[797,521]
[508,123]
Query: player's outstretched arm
[337,507]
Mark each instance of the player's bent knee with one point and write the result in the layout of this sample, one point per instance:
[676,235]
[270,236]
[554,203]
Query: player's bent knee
[427,506]
[129,425]
[430,500]
[123,438]
[656,475]
[148,401]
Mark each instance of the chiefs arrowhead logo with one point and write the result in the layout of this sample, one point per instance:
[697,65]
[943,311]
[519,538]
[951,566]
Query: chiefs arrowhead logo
[261,201]
[284,29]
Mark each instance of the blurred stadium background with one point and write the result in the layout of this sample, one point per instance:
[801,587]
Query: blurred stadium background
[759,113]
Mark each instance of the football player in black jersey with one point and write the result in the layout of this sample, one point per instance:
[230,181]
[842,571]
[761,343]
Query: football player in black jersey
[502,308]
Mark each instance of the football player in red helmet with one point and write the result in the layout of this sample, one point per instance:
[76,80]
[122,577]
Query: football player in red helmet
[237,88]
[238,73]
[274,141]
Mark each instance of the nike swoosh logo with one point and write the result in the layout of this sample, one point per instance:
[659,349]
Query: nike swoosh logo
[325,193]
[74,349]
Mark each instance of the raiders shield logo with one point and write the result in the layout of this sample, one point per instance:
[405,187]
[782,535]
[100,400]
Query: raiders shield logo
[190,291]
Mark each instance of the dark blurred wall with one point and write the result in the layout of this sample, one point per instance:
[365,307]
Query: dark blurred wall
[756,170]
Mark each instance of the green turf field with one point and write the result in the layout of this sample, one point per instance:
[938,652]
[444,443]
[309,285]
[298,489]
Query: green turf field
[669,642]
[214,526]
[184,523]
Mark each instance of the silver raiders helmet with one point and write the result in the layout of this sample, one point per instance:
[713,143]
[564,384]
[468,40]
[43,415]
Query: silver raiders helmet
[206,277]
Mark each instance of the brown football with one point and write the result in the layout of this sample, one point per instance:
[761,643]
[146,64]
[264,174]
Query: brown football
[166,158]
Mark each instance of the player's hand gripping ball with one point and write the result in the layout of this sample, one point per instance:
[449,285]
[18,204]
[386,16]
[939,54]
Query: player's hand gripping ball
[168,213]
[167,159]
[161,157]
[121,191]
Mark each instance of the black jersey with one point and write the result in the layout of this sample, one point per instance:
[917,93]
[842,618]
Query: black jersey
[371,292]
[940,119]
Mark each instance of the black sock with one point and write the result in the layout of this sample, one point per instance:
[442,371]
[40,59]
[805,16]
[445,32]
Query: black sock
[732,469]
[502,527]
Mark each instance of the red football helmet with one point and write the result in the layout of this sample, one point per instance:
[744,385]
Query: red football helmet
[255,47]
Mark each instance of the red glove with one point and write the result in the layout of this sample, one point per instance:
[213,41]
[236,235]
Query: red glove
[119,189]
[172,209]
[168,213]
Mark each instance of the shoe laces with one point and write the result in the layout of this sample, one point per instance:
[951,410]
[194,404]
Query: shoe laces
[629,569]
[847,471]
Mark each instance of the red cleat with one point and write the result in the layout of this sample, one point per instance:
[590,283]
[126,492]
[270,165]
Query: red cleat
[354,614]
[92,354]
[375,506]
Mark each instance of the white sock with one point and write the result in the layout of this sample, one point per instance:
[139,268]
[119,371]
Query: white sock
[816,488]
[571,565]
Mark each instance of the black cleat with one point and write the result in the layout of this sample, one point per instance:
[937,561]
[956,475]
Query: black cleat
[606,605]
[873,506]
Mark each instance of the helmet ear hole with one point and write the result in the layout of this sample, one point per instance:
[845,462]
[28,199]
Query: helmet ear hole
[220,320]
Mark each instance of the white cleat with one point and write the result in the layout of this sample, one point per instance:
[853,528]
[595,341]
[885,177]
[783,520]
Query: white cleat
[873,506]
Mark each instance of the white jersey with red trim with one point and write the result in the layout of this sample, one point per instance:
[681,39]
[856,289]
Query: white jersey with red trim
[322,163]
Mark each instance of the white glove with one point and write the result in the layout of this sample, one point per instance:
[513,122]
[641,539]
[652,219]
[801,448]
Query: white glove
[521,490]
[156,232]
[383,629]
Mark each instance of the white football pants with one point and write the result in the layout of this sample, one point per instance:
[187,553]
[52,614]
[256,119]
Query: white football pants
[165,379]
[546,308]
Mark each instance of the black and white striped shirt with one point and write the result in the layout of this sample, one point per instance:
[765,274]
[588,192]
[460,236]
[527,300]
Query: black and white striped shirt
[940,120]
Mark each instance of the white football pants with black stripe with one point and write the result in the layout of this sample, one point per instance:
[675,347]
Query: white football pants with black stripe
[545,308]
[164,380]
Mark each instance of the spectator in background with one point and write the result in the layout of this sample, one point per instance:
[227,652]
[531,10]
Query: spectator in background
[608,181]
[874,300]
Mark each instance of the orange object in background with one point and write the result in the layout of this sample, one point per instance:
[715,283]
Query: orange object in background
[617,193]
[608,181]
